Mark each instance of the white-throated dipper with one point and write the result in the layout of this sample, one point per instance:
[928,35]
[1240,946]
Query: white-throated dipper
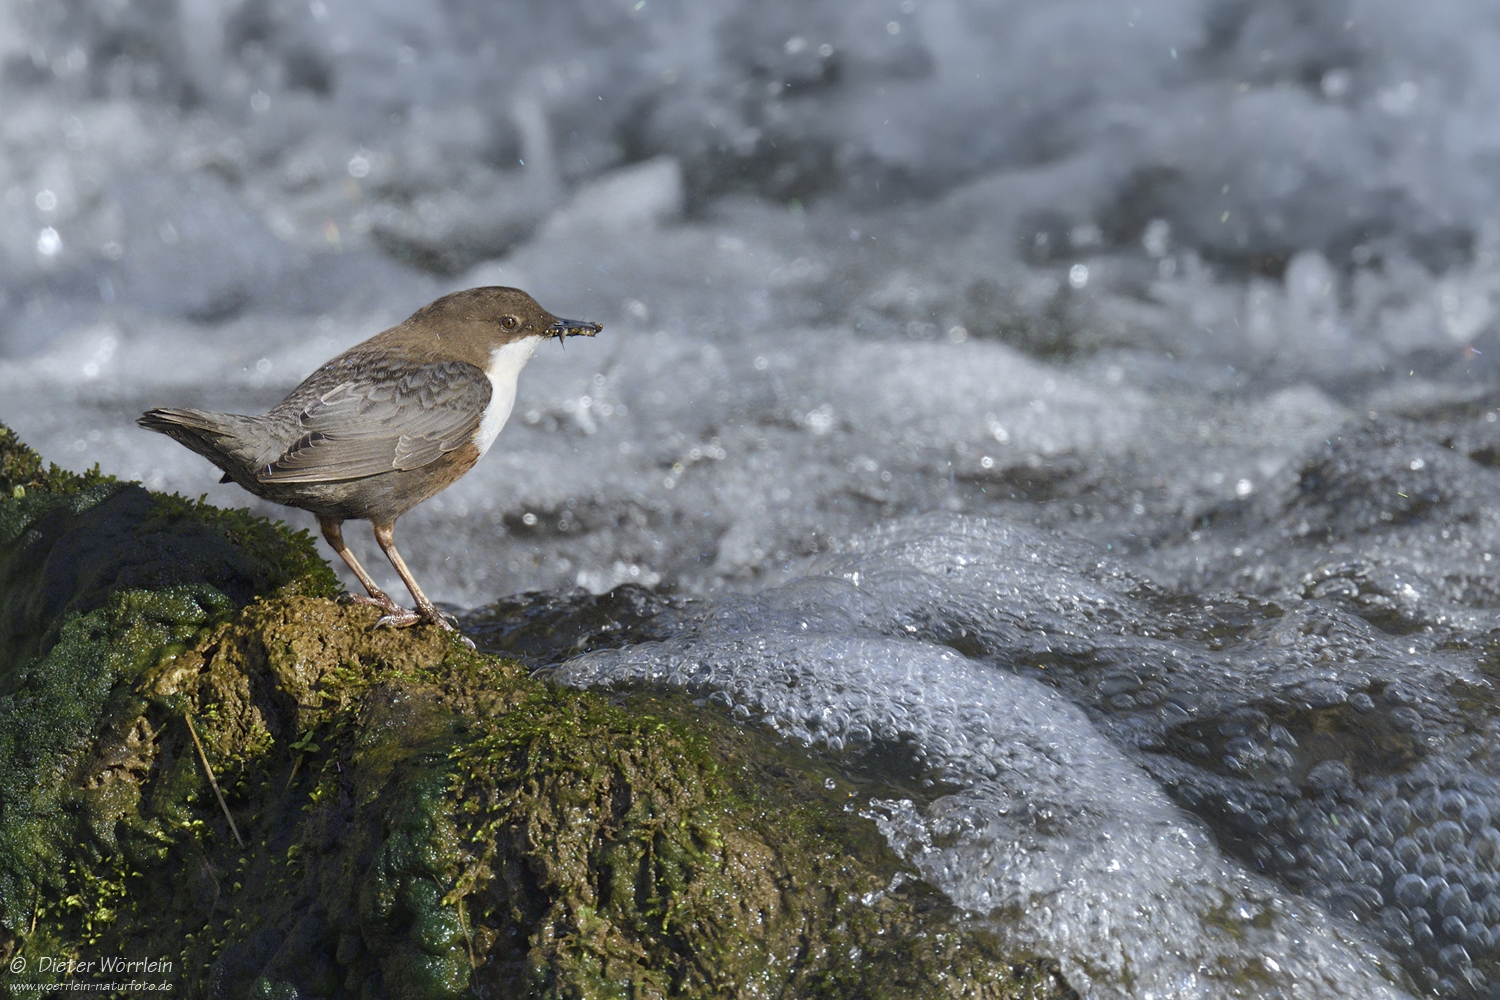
[385,425]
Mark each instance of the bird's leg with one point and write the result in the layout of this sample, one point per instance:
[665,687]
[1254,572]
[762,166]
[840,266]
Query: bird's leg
[333,531]
[384,534]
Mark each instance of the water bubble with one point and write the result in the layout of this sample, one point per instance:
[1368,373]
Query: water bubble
[48,243]
[1078,275]
[260,102]
[263,365]
[825,50]
[892,28]
[1336,83]
[359,165]
[1244,488]
[46,200]
[1453,901]
[795,44]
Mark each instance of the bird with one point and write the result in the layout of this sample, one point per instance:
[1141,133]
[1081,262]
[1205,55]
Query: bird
[383,426]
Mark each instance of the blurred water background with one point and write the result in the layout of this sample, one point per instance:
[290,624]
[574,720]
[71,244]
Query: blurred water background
[1078,419]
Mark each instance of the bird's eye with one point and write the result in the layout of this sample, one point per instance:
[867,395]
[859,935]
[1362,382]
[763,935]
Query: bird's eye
[509,322]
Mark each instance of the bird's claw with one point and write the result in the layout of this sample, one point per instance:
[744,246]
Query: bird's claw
[449,623]
[400,618]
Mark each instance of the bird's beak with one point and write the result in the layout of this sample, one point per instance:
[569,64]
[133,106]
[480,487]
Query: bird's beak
[572,328]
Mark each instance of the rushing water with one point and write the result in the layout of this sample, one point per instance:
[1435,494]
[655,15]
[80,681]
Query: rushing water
[1076,420]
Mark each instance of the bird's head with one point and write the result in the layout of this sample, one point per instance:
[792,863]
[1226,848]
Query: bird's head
[480,320]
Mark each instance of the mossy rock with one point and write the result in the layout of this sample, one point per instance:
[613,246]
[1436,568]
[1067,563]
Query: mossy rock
[69,542]
[401,817]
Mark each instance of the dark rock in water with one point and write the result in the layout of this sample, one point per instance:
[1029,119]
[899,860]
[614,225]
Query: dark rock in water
[400,817]
[542,629]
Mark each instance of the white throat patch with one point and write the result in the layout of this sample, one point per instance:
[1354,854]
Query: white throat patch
[505,366]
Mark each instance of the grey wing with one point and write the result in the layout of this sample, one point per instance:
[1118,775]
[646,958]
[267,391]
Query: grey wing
[385,421]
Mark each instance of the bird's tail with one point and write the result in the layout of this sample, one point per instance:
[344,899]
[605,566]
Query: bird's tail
[225,439]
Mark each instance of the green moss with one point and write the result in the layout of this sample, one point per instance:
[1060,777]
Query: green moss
[67,542]
[286,560]
[99,580]
[21,471]
[53,709]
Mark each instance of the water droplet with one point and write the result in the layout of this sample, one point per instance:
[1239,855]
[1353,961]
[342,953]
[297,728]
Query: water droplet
[1078,275]
[48,243]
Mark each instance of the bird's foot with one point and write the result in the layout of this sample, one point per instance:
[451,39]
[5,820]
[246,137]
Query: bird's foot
[399,618]
[384,603]
[402,618]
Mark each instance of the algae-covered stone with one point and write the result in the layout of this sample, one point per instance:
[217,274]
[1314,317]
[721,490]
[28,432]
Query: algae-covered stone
[98,579]
[401,817]
[68,542]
